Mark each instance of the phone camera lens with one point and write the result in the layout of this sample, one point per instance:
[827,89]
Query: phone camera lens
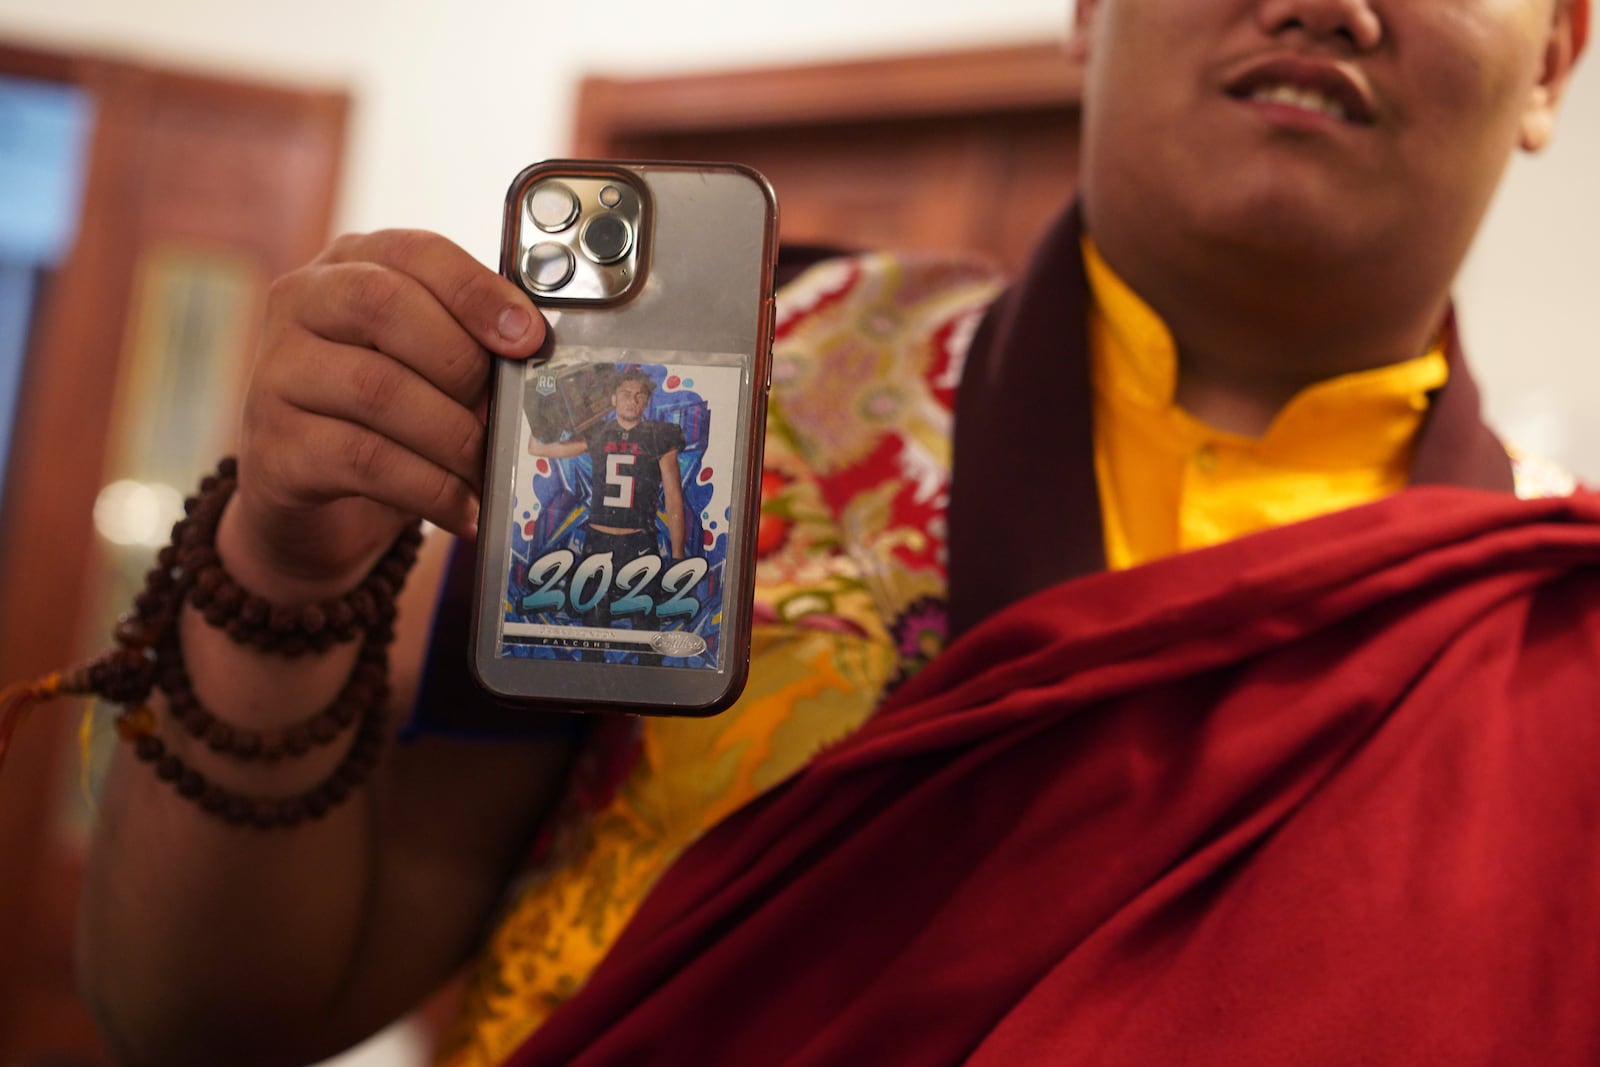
[607,238]
[552,206]
[547,266]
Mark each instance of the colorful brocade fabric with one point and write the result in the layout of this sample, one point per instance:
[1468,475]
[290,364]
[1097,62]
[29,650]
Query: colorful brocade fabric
[849,601]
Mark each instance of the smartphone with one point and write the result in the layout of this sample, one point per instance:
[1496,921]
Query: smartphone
[616,544]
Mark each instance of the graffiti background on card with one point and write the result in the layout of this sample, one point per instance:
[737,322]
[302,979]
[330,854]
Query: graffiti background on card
[571,400]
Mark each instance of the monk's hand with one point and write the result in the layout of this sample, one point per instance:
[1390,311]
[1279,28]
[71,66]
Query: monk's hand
[366,408]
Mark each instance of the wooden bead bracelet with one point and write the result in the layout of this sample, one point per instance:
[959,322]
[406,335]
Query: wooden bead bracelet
[255,811]
[251,620]
[148,656]
[360,691]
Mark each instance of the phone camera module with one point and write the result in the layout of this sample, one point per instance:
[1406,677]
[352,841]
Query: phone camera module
[607,238]
[552,206]
[581,235]
[547,266]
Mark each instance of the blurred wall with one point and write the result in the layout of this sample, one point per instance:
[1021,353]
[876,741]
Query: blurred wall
[1530,292]
[454,98]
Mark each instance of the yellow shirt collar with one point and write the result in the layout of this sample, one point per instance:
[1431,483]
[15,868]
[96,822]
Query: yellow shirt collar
[1364,418]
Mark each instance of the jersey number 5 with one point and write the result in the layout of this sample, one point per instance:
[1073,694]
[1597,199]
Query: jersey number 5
[619,480]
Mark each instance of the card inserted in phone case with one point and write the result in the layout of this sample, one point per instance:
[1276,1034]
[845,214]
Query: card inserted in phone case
[620,518]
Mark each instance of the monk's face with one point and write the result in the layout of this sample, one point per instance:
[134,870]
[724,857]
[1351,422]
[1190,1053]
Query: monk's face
[1363,127]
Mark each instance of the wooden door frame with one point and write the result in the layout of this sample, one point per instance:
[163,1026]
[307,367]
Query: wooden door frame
[612,112]
[58,451]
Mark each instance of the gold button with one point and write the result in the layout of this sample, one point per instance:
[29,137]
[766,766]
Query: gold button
[1205,459]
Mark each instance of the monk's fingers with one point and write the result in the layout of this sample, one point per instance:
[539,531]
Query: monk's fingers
[358,385]
[374,307]
[490,308]
[335,458]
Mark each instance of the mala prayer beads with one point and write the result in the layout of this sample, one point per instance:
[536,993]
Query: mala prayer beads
[248,619]
[362,690]
[148,656]
[263,813]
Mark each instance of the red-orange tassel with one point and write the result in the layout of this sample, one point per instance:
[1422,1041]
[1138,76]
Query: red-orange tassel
[15,703]
[17,700]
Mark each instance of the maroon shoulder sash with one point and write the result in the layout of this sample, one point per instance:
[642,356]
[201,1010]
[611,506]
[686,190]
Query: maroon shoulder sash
[1025,392]
[1260,803]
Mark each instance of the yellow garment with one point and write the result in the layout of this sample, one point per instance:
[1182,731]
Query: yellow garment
[1168,482]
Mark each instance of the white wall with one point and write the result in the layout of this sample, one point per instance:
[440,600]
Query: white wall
[454,97]
[1530,293]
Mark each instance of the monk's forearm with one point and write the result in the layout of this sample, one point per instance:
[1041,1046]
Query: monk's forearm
[197,932]
[205,942]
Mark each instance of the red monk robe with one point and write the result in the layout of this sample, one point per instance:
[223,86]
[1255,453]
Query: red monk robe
[1263,803]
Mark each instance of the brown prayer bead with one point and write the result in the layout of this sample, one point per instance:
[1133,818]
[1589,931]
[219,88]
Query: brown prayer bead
[254,611]
[219,736]
[297,740]
[136,723]
[132,632]
[207,583]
